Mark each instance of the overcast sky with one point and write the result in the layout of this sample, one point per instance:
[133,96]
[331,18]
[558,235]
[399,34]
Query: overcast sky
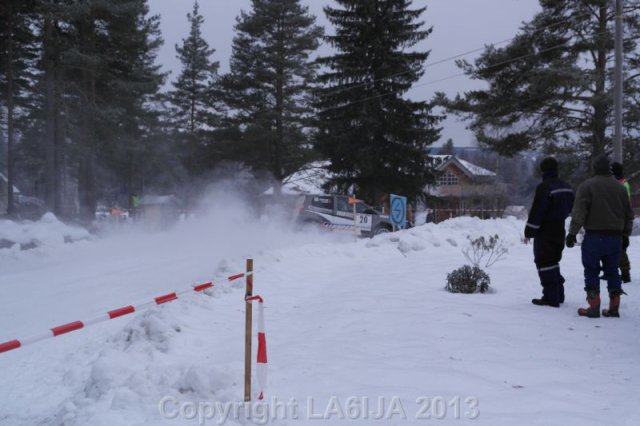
[459,26]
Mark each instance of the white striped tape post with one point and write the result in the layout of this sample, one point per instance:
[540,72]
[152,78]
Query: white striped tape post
[261,361]
[76,325]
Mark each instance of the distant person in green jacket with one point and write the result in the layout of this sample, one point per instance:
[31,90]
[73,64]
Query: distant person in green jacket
[134,202]
[603,209]
[625,265]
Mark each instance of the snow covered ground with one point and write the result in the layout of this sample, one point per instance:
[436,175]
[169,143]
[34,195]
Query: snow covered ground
[348,324]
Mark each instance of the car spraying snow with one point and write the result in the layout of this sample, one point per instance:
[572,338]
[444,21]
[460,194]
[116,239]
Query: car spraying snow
[334,212]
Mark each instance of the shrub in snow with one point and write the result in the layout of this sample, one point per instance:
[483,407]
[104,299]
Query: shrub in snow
[472,279]
[481,247]
[468,279]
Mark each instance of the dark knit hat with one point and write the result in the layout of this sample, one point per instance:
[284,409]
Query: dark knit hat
[616,169]
[601,165]
[549,164]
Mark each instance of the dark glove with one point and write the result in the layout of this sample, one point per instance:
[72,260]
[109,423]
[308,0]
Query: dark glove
[570,241]
[625,242]
[529,232]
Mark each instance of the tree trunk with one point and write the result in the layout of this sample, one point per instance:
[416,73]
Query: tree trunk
[50,121]
[2,144]
[279,139]
[86,175]
[87,188]
[10,157]
[60,159]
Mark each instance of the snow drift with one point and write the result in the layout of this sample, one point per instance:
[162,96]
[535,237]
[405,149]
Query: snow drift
[346,321]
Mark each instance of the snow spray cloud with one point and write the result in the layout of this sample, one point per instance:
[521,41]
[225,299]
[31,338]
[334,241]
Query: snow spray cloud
[243,221]
[228,223]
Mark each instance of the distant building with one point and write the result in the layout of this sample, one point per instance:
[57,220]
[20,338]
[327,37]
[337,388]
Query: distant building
[159,211]
[464,189]
[461,189]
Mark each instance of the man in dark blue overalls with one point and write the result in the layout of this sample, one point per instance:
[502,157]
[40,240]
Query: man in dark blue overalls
[551,206]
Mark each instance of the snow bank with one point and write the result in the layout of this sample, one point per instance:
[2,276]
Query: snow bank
[452,234]
[150,359]
[344,318]
[46,233]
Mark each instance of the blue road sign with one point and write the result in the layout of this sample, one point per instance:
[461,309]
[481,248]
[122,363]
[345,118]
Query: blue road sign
[398,214]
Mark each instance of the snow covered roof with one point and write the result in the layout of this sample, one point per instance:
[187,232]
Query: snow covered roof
[470,169]
[309,180]
[313,176]
[476,170]
[154,200]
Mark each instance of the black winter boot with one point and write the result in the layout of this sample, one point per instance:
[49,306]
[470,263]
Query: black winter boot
[593,311]
[614,304]
[545,302]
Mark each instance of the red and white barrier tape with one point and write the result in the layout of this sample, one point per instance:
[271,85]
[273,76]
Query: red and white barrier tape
[261,362]
[76,325]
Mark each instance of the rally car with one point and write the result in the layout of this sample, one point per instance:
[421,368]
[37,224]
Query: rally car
[334,212]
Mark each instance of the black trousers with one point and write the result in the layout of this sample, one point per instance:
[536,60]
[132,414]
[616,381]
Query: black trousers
[547,253]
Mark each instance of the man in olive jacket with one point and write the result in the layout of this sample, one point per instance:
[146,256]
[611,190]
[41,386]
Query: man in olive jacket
[602,207]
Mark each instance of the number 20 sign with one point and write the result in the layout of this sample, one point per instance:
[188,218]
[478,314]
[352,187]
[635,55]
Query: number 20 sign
[363,221]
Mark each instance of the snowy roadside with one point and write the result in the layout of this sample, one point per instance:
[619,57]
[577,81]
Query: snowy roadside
[346,323]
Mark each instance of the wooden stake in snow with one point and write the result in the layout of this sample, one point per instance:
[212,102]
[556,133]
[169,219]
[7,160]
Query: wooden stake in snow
[353,200]
[247,335]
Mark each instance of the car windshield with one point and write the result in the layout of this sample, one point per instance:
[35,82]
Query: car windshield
[342,204]
[363,208]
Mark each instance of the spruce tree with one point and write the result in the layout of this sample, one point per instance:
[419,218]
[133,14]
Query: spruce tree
[52,140]
[448,148]
[267,91]
[99,81]
[131,97]
[43,160]
[16,64]
[88,114]
[375,139]
[551,87]
[191,103]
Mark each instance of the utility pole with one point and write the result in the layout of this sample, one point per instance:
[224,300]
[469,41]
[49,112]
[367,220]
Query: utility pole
[618,76]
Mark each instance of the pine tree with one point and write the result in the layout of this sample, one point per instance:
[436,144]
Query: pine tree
[448,148]
[192,106]
[99,81]
[43,159]
[267,92]
[89,114]
[131,97]
[52,142]
[16,63]
[43,153]
[376,139]
[551,87]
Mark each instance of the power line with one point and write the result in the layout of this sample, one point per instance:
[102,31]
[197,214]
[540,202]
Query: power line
[456,75]
[450,58]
